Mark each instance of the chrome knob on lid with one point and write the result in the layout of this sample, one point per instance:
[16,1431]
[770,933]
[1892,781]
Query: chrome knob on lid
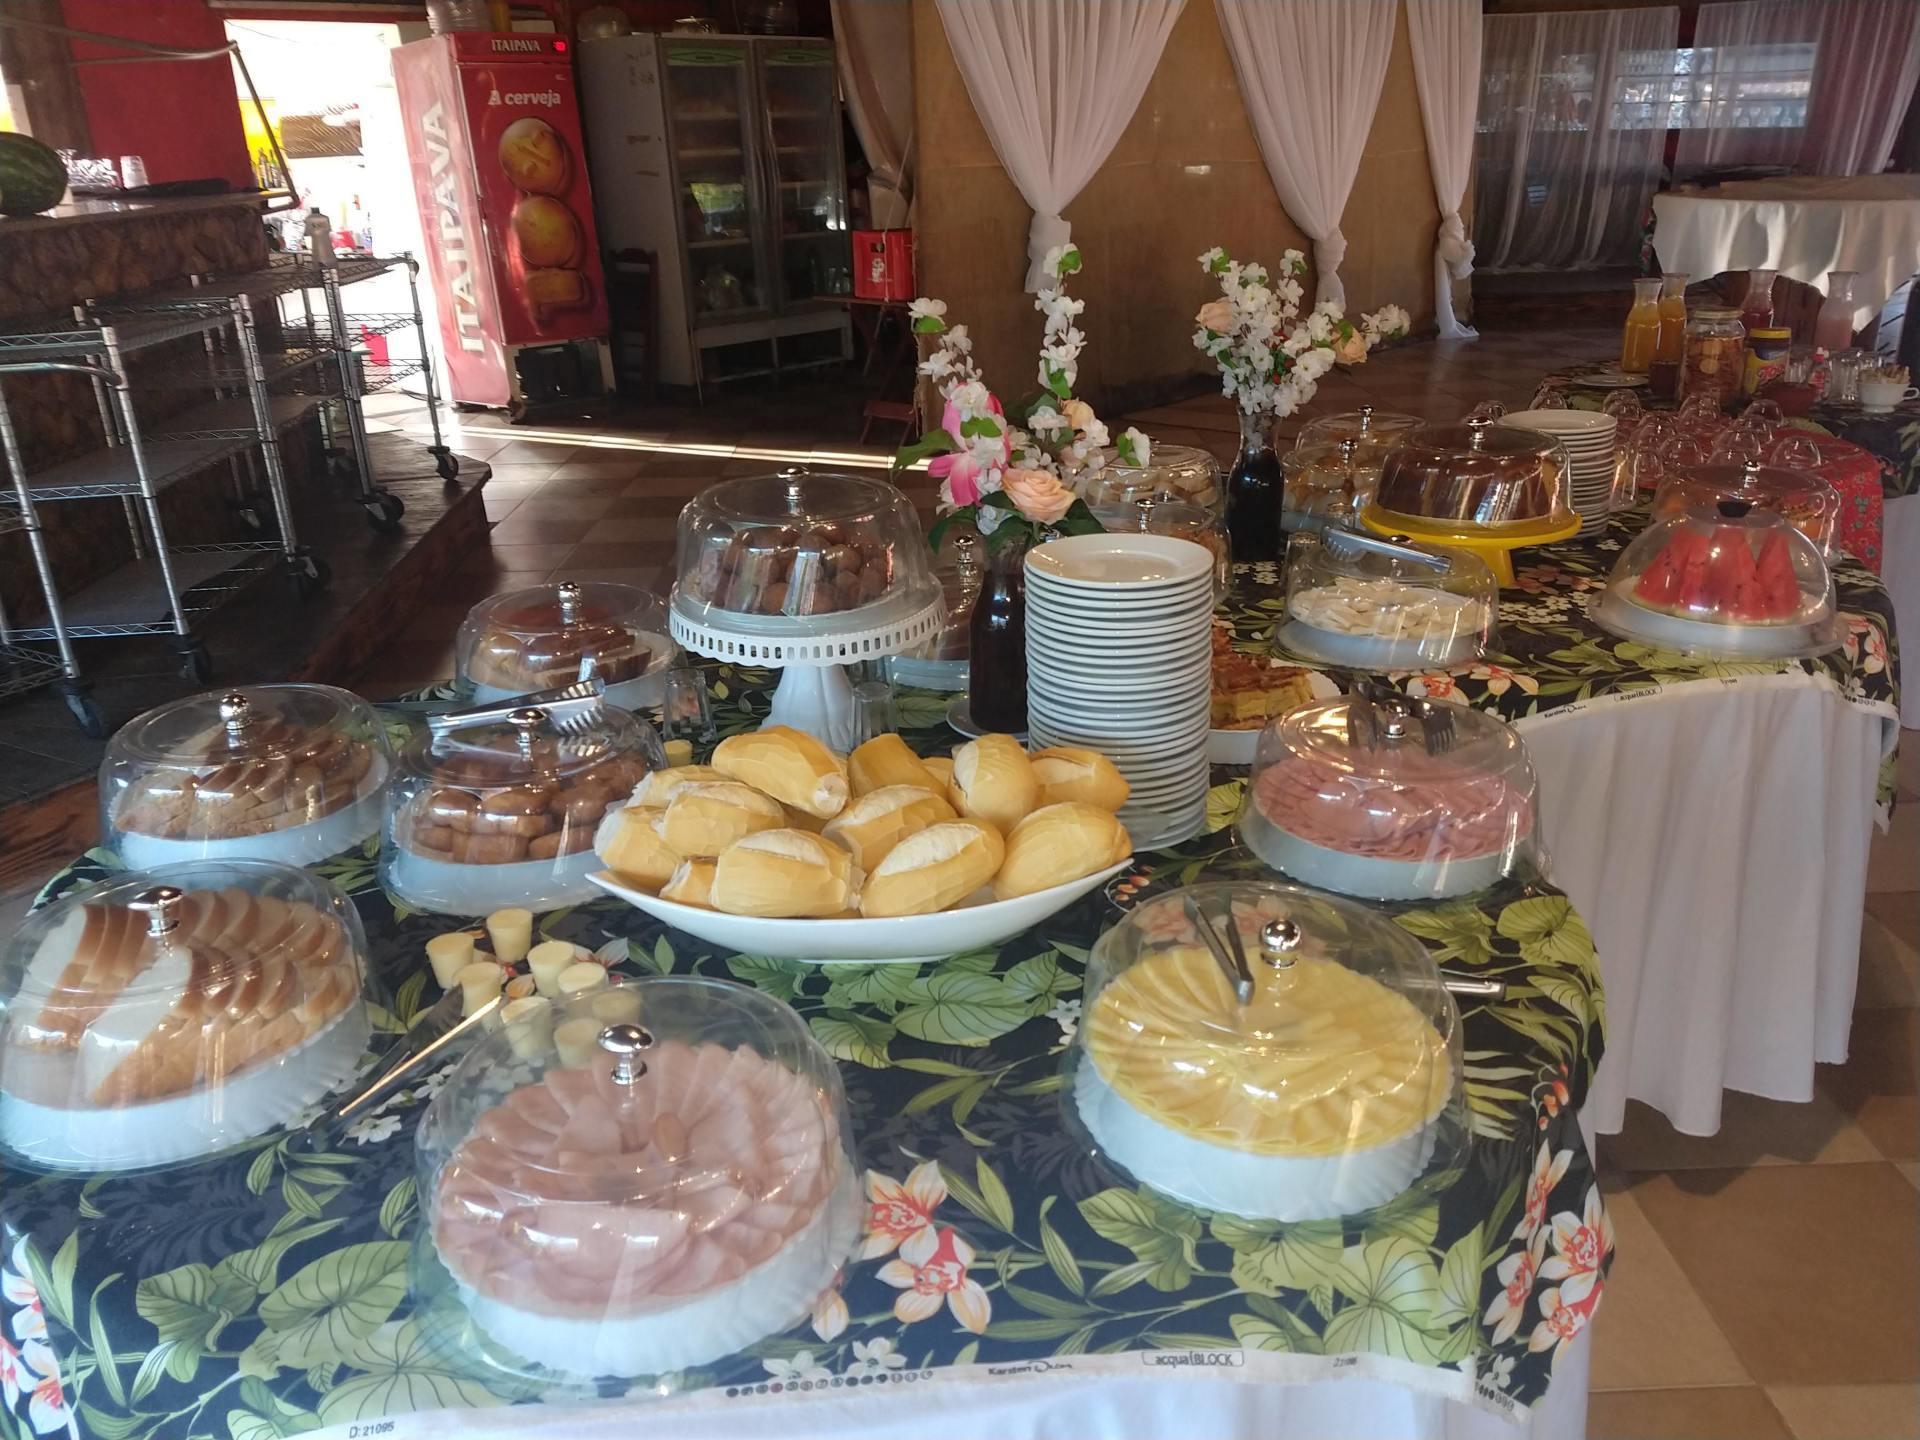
[1366,419]
[571,598]
[1144,505]
[161,906]
[526,723]
[791,476]
[236,713]
[966,554]
[1278,940]
[626,1042]
[1477,426]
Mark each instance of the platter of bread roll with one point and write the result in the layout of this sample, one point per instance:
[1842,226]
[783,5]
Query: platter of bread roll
[785,848]
[1266,1051]
[635,1180]
[166,1014]
[292,773]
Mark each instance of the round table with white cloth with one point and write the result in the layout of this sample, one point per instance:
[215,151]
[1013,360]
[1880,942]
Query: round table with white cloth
[1804,226]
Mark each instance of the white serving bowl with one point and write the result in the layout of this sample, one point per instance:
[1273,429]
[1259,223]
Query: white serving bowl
[974,924]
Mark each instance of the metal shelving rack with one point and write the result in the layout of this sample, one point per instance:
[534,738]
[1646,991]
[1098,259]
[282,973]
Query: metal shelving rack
[166,588]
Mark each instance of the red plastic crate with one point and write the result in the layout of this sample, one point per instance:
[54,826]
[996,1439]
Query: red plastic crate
[883,264]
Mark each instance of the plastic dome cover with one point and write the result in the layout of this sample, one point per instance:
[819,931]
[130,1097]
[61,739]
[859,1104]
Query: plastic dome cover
[166,1014]
[1808,502]
[1313,1072]
[794,549]
[551,635]
[292,773]
[1476,475]
[635,1181]
[1391,799]
[504,813]
[1151,515]
[1375,604]
[1173,472]
[1730,581]
[1376,431]
[1327,483]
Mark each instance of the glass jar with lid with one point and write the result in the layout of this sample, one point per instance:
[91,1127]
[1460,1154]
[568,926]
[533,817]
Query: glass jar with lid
[1260,1050]
[497,812]
[550,635]
[1391,798]
[166,1014]
[1374,604]
[684,1147]
[1807,500]
[1715,358]
[1728,580]
[1375,432]
[1149,515]
[1173,472]
[799,554]
[292,773]
[1328,483]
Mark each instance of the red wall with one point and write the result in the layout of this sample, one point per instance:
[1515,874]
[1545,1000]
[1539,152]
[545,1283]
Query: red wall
[181,116]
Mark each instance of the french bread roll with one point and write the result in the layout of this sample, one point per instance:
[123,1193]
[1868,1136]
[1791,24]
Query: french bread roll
[941,768]
[995,780]
[707,816]
[1058,843]
[660,786]
[784,873]
[691,884]
[1066,773]
[628,844]
[790,765]
[874,823]
[885,760]
[933,869]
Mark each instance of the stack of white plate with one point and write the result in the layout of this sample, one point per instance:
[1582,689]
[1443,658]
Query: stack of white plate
[1119,660]
[1591,440]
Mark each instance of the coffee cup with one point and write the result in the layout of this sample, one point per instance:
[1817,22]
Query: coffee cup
[1877,397]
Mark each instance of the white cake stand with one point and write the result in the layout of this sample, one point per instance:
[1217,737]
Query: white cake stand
[812,652]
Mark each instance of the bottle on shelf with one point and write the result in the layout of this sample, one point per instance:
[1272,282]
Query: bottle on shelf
[1642,328]
[320,237]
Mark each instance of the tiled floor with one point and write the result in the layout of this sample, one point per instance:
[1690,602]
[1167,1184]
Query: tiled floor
[1768,1279]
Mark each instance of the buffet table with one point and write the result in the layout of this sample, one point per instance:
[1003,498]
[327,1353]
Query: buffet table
[1709,819]
[1804,226]
[266,1292]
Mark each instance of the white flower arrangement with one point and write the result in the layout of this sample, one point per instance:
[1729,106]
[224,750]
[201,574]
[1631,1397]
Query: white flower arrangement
[992,470]
[1271,360]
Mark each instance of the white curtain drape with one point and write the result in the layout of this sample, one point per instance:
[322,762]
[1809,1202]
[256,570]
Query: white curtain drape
[1054,84]
[873,41]
[1310,73]
[1817,87]
[1445,35]
[1572,125]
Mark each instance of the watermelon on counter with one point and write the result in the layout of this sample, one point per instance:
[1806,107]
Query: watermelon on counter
[32,178]
[1778,588]
[1740,580]
[1659,584]
[1700,587]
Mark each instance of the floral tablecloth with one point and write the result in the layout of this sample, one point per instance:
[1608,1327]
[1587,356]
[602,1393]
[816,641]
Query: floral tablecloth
[1894,438]
[1550,655]
[265,1293]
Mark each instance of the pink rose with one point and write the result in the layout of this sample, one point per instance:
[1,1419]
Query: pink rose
[1037,495]
[1352,350]
[1217,316]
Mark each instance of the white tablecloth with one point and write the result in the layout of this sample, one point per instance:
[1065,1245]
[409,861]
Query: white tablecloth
[1036,1407]
[1802,226]
[1900,571]
[1714,837]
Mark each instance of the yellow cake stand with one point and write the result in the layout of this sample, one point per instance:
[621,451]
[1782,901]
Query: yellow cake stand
[1493,544]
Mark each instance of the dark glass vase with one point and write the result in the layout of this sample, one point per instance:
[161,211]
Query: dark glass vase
[1254,489]
[997,641]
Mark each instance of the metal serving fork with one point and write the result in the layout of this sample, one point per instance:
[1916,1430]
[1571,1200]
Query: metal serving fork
[574,709]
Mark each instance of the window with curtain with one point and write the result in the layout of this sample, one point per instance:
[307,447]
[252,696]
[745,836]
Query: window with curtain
[1571,130]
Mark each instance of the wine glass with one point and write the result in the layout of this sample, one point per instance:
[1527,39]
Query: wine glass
[1796,450]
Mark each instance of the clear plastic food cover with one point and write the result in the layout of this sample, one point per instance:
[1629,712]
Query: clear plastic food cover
[1328,484]
[1151,515]
[1376,432]
[504,813]
[1808,502]
[1728,581]
[1312,1073]
[792,549]
[1376,604]
[941,661]
[551,635]
[166,1014]
[634,1182]
[1173,472]
[1475,475]
[292,773]
[1391,799]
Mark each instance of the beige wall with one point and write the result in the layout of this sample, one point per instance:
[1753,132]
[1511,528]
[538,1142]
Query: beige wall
[1185,175]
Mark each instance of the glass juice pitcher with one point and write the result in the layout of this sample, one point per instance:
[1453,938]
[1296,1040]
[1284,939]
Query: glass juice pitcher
[1756,311]
[1833,327]
[1643,328]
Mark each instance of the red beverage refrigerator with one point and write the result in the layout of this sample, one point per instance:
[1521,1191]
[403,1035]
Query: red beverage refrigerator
[500,175]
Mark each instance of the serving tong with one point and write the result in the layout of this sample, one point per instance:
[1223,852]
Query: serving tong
[575,709]
[1378,714]
[1279,939]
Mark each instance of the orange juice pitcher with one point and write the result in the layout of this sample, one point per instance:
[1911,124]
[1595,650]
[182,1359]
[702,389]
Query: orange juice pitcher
[1643,328]
[1672,343]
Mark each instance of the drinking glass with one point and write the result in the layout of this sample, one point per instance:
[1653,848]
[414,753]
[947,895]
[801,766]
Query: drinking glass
[873,711]
[1767,410]
[1796,450]
[1548,397]
[1735,447]
[685,711]
[1488,410]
